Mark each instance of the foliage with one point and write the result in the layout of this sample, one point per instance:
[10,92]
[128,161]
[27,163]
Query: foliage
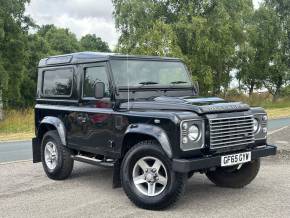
[213,38]
[13,28]
[20,51]
[205,33]
[91,42]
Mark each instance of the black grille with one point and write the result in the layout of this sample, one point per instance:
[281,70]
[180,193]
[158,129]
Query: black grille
[231,131]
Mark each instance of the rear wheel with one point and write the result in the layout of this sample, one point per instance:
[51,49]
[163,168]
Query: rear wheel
[236,176]
[147,178]
[56,159]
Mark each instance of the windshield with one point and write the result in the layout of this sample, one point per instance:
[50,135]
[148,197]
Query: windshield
[154,73]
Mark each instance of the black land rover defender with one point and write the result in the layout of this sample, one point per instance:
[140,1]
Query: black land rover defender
[143,117]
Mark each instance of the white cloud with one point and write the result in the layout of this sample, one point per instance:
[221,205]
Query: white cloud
[80,16]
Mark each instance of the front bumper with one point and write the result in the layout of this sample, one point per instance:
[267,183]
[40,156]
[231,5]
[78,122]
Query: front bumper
[195,164]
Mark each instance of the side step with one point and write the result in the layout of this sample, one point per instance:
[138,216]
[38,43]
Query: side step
[93,161]
[114,163]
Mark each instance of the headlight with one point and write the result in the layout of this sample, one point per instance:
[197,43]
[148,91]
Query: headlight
[256,125]
[193,133]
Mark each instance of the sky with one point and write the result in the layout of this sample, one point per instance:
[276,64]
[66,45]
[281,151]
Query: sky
[80,16]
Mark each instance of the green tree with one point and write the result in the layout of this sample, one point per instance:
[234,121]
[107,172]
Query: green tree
[279,66]
[60,40]
[206,32]
[249,58]
[272,50]
[37,48]
[13,38]
[160,40]
[91,42]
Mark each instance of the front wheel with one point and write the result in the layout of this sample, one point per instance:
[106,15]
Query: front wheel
[147,178]
[235,176]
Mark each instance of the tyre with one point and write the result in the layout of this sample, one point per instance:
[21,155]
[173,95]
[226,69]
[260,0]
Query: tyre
[147,178]
[236,176]
[56,159]
[190,175]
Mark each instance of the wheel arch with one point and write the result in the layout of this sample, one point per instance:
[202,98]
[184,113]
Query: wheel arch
[52,123]
[140,132]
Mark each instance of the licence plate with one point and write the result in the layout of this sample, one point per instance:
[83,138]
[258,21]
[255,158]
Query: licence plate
[233,159]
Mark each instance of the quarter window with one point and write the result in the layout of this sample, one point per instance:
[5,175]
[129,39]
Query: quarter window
[92,76]
[57,82]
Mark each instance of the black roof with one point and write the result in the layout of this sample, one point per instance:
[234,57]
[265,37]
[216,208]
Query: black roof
[87,57]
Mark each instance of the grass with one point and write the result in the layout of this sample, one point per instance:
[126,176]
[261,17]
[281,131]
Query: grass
[275,113]
[19,124]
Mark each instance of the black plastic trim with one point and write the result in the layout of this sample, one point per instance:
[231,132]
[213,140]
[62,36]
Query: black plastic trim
[188,165]
[36,156]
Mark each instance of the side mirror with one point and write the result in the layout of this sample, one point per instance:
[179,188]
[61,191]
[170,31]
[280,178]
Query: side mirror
[196,87]
[99,90]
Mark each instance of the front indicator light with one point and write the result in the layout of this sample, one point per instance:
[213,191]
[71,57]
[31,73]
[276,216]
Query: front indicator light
[184,140]
[264,130]
[184,126]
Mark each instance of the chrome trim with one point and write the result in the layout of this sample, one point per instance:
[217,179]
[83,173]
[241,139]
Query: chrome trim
[200,140]
[231,131]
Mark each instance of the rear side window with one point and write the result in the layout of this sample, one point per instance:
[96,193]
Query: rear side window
[57,82]
[92,76]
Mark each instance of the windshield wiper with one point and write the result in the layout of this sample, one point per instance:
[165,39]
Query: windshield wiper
[178,82]
[148,83]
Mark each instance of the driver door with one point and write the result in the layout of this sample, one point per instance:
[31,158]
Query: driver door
[93,123]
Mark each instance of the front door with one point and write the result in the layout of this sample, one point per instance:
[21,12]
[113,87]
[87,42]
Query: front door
[92,122]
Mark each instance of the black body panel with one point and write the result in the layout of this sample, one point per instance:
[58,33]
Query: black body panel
[101,126]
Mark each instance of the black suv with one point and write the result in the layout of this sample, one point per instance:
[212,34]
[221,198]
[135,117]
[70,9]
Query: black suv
[143,117]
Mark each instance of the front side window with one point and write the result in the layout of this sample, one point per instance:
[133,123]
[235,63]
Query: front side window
[140,72]
[92,76]
[57,82]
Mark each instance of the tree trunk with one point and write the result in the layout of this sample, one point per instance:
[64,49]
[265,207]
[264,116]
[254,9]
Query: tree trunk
[278,91]
[251,89]
[216,85]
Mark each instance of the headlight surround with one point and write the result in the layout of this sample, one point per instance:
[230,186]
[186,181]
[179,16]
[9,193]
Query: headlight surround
[193,133]
[260,126]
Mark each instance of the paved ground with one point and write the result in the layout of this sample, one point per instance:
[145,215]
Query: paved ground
[13,151]
[21,150]
[26,192]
